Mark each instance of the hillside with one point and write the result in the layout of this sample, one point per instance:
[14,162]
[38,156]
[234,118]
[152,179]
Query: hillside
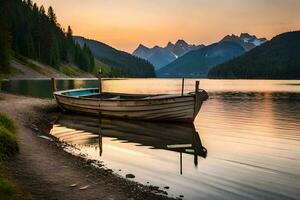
[161,56]
[34,34]
[277,59]
[24,68]
[121,63]
[198,62]
[28,31]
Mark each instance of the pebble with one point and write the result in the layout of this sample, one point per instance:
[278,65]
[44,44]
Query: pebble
[130,176]
[73,185]
[83,188]
[46,138]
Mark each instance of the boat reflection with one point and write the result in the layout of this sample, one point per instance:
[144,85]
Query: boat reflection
[85,130]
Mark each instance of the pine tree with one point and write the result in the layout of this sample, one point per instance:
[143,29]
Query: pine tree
[29,3]
[70,33]
[52,15]
[37,35]
[70,45]
[42,10]
[4,44]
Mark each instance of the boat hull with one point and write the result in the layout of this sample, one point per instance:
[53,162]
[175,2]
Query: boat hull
[178,108]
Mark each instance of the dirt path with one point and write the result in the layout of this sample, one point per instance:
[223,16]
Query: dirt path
[46,171]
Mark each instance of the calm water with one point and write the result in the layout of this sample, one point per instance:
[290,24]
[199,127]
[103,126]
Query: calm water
[244,144]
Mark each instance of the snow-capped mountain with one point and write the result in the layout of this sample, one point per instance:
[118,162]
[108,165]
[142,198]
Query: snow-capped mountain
[246,40]
[197,63]
[161,56]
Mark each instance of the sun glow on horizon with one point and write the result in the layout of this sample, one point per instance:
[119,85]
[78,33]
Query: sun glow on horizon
[124,24]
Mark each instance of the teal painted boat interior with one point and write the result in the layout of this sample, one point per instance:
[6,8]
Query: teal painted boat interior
[80,93]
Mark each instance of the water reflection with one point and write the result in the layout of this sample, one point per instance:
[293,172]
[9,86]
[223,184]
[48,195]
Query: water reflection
[89,132]
[42,87]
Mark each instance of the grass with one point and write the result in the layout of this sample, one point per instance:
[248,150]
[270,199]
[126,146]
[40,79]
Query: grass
[73,71]
[8,140]
[36,68]
[2,76]
[106,70]
[8,147]
[8,144]
[7,123]
[6,188]
[69,70]
[15,71]
[28,63]
[1,79]
[9,190]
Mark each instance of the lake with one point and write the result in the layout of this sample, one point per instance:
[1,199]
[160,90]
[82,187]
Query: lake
[244,144]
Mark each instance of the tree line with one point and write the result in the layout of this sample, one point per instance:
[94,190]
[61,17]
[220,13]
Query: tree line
[30,31]
[277,59]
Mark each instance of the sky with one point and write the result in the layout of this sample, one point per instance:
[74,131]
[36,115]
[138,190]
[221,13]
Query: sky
[124,24]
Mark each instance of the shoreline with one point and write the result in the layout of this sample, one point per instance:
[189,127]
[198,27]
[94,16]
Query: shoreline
[69,177]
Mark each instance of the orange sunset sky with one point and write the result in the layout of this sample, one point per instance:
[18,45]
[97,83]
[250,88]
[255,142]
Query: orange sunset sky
[124,24]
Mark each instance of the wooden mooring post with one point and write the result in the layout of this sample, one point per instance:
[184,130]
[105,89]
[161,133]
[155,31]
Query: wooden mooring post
[182,87]
[197,87]
[53,84]
[100,80]
[196,98]
[180,162]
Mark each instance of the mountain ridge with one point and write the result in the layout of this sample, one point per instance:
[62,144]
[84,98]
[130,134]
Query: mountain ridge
[246,40]
[161,56]
[196,63]
[275,59]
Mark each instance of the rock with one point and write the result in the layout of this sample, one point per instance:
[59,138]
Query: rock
[130,176]
[167,187]
[89,162]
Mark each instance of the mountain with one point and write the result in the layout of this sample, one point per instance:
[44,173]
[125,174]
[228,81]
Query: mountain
[278,58]
[157,56]
[246,40]
[161,56]
[124,63]
[198,62]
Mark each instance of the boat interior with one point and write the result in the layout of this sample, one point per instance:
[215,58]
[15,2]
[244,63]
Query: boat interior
[94,94]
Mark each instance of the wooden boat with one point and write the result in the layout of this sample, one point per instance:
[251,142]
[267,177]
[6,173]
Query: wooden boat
[160,107]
